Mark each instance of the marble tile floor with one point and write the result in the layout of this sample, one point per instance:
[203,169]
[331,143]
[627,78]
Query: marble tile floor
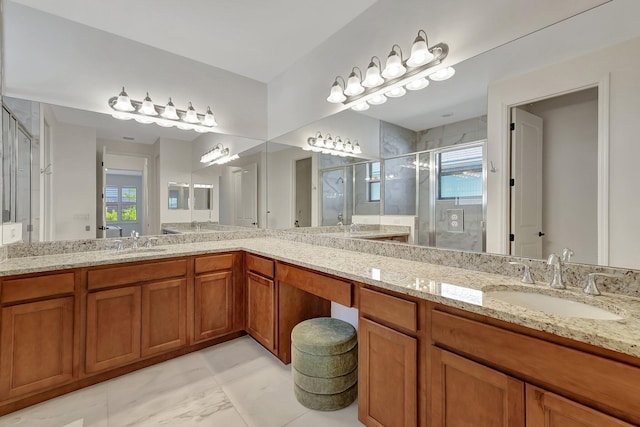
[234,384]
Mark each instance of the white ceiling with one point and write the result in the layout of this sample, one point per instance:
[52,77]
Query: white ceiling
[253,38]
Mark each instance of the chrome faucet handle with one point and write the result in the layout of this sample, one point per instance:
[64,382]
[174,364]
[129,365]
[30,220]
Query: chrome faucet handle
[591,288]
[557,282]
[149,242]
[567,253]
[119,245]
[526,275]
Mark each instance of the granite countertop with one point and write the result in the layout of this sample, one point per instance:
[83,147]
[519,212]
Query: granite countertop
[369,234]
[455,287]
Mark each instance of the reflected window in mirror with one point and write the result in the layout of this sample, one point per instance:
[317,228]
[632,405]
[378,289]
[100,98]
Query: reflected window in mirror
[373,181]
[202,197]
[460,173]
[178,195]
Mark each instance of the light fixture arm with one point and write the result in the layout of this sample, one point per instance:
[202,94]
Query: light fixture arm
[425,38]
[393,51]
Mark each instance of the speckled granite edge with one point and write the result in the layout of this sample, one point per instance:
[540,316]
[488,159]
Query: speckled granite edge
[575,274]
[19,250]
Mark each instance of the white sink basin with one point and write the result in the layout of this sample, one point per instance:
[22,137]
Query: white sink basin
[553,305]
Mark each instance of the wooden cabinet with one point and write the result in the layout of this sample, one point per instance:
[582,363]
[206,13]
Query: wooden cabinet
[261,305]
[217,297]
[466,393]
[37,346]
[580,388]
[164,319]
[546,409]
[113,328]
[213,305]
[387,376]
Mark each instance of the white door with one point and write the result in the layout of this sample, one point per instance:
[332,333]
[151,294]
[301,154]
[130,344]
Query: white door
[102,193]
[246,196]
[526,189]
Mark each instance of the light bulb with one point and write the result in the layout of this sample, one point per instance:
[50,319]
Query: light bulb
[420,54]
[124,102]
[191,116]
[209,119]
[394,67]
[147,107]
[356,148]
[377,99]
[170,111]
[421,83]
[363,106]
[396,92]
[337,94]
[372,77]
[353,85]
[347,146]
[328,142]
[443,74]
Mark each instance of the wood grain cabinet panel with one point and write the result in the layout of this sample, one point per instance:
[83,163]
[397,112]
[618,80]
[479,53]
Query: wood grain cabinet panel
[546,409]
[387,376]
[164,317]
[113,328]
[261,304]
[213,305]
[37,346]
[466,393]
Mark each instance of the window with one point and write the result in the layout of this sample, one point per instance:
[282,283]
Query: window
[460,173]
[373,182]
[121,204]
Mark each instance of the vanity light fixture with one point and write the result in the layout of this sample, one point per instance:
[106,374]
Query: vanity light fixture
[328,145]
[145,111]
[217,152]
[398,75]
[226,159]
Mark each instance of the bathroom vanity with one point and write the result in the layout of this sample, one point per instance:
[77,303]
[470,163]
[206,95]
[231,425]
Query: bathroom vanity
[430,339]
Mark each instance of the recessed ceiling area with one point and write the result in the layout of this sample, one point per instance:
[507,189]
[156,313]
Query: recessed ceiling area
[252,38]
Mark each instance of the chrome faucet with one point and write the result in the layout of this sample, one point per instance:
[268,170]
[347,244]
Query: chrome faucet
[526,274]
[134,236]
[591,288]
[340,218]
[149,242]
[567,253]
[557,282]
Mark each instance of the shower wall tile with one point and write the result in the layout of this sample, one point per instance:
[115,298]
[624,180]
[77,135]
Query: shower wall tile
[461,132]
[396,140]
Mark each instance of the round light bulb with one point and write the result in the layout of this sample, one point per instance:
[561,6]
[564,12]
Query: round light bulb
[420,54]
[170,111]
[209,119]
[191,116]
[147,107]
[372,77]
[337,95]
[124,102]
[394,67]
[377,100]
[354,87]
[443,74]
[421,83]
[396,92]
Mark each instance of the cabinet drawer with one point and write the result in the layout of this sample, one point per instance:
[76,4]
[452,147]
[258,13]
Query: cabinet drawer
[15,290]
[325,287]
[392,310]
[129,274]
[262,266]
[606,384]
[206,264]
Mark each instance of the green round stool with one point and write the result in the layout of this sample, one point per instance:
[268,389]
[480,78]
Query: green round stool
[324,361]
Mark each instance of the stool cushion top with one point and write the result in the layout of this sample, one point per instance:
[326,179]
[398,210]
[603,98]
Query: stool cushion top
[324,336]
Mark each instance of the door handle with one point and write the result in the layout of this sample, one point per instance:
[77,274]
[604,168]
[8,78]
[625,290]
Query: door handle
[540,234]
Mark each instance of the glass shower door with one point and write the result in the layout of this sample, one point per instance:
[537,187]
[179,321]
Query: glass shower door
[333,197]
[23,184]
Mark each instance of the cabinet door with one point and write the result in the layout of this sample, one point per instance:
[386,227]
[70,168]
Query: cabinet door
[387,376]
[546,409]
[113,328]
[261,310]
[466,393]
[213,305]
[164,316]
[36,346]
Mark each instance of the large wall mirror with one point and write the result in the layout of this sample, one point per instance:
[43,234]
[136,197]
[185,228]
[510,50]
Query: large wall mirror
[446,154]
[72,174]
